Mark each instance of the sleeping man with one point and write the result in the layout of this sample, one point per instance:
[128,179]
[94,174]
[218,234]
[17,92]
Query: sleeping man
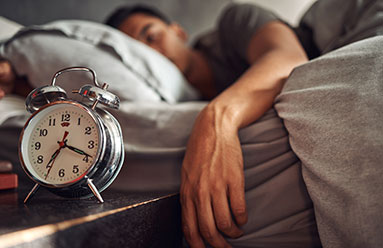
[241,67]
[254,195]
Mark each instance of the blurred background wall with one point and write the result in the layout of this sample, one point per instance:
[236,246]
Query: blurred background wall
[194,15]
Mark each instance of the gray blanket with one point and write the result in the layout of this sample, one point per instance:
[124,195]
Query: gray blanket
[332,109]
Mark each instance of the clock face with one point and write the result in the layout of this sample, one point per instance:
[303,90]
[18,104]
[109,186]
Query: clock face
[60,143]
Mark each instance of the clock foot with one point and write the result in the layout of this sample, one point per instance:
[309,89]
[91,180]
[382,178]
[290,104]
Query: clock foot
[95,191]
[32,192]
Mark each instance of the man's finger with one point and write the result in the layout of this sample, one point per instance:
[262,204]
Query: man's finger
[223,219]
[189,223]
[206,222]
[238,203]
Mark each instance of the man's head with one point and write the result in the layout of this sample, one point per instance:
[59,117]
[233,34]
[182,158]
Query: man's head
[118,16]
[151,27]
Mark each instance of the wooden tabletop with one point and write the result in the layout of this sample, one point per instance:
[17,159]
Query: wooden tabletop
[125,219]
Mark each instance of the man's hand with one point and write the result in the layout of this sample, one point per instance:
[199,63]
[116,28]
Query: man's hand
[10,83]
[212,187]
[7,78]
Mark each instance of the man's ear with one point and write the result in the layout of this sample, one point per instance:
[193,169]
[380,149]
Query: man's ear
[181,33]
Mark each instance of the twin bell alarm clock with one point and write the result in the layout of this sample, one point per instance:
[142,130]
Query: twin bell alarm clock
[74,149]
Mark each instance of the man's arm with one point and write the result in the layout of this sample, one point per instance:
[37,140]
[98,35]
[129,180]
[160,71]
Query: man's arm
[212,172]
[273,52]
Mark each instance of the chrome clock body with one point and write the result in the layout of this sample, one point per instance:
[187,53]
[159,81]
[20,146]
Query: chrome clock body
[72,149]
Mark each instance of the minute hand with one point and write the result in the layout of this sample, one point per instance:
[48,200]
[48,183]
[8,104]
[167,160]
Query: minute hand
[77,150]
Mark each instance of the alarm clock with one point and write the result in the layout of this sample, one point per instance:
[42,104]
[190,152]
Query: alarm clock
[74,149]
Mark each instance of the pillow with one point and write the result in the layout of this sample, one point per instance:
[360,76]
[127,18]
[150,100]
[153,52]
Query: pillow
[332,109]
[134,71]
[8,28]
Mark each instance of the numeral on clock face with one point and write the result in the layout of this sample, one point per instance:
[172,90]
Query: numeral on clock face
[65,117]
[37,146]
[43,132]
[52,122]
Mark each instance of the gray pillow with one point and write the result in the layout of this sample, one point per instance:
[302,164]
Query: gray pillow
[332,109]
[134,71]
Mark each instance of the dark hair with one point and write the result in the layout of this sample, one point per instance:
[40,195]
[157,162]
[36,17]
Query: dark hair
[119,15]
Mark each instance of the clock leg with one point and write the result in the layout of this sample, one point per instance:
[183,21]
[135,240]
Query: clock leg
[95,191]
[32,192]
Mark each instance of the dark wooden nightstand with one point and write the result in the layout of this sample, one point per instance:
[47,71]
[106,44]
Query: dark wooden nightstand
[126,219]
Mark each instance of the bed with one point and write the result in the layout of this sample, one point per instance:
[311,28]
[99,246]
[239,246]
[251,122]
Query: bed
[331,108]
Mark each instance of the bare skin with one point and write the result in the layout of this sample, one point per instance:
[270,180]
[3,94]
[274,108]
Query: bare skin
[7,78]
[170,40]
[212,173]
[10,83]
[212,177]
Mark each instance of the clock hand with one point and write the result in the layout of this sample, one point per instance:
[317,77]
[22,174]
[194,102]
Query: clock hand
[62,142]
[56,153]
[53,157]
[76,150]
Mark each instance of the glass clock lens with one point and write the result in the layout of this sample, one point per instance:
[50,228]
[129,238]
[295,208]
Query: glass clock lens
[61,143]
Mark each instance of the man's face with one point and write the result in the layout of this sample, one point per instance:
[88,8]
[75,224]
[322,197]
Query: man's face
[168,39]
